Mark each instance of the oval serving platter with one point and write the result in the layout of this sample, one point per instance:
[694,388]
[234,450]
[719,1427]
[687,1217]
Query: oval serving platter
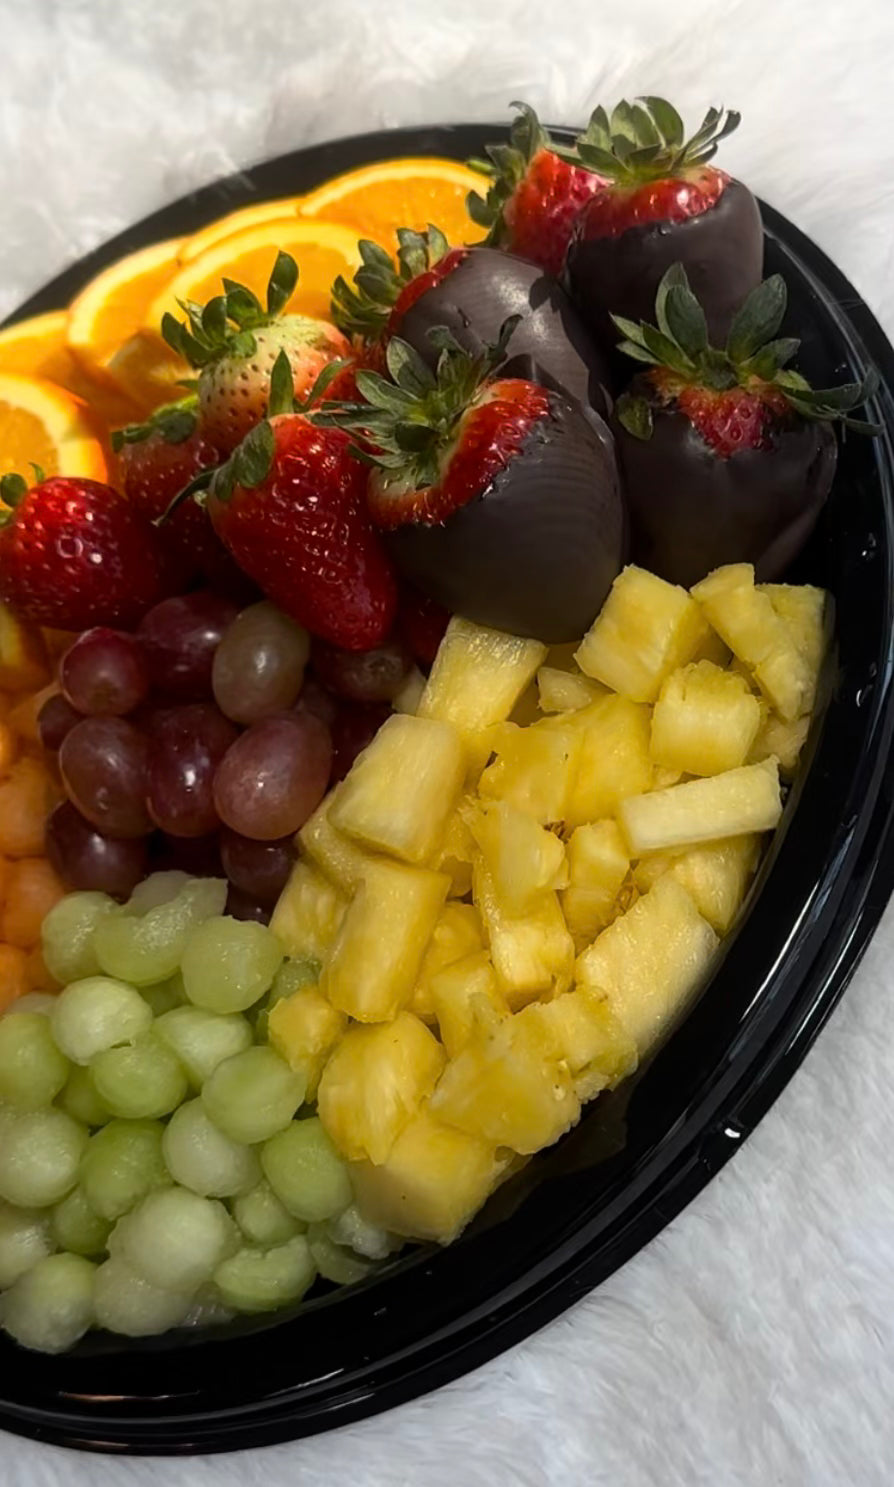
[582,1208]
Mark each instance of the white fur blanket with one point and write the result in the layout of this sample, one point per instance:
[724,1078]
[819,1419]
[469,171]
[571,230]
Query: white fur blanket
[753,1342]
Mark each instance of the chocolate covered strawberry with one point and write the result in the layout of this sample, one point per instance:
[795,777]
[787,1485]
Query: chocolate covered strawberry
[661,202]
[234,342]
[499,498]
[728,455]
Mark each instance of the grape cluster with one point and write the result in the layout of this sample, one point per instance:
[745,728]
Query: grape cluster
[202,742]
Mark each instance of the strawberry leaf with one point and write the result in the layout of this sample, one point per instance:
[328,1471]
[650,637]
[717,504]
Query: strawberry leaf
[408,369]
[635,415]
[686,323]
[13,489]
[667,121]
[281,395]
[770,359]
[282,282]
[674,277]
[758,319]
[243,307]
[254,457]
[214,318]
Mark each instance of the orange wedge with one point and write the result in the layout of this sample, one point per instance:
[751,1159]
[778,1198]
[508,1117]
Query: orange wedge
[322,250]
[377,199]
[113,306]
[227,227]
[42,425]
[39,348]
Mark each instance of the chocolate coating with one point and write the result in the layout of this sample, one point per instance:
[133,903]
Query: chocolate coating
[483,291]
[536,554]
[722,252]
[691,511]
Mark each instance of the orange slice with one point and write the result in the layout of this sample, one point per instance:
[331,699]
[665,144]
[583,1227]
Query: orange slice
[322,249]
[227,227]
[377,199]
[42,425]
[113,306]
[39,348]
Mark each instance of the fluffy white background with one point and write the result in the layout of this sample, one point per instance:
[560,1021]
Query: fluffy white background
[753,1342]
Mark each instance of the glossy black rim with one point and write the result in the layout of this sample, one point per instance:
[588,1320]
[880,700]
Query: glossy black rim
[634,1162]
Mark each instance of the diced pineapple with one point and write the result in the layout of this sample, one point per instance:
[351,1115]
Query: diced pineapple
[509,1088]
[534,769]
[663,778]
[565,691]
[713,649]
[740,800]
[375,1082]
[457,933]
[756,634]
[614,759]
[650,961]
[523,858]
[598,862]
[402,788]
[715,876]
[466,996]
[804,610]
[340,859]
[705,720]
[407,699]
[304,1029]
[376,957]
[533,955]
[644,631]
[781,740]
[478,676]
[455,852]
[308,914]
[434,1181]
[583,1030]
[527,709]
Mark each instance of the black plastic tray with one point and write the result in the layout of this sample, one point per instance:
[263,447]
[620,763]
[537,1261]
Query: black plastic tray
[583,1208]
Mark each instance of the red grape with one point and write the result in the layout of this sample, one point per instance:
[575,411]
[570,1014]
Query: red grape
[104,673]
[356,725]
[188,743]
[197,855]
[422,623]
[259,665]
[85,859]
[274,776]
[104,764]
[56,719]
[362,676]
[241,906]
[313,698]
[259,869]
[179,638]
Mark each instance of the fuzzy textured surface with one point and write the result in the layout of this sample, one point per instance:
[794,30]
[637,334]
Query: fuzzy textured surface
[753,1341]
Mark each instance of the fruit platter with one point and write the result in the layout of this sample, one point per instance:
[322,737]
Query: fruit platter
[445,708]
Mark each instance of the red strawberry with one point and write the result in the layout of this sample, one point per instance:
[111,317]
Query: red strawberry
[535,195]
[661,202]
[234,342]
[74,554]
[728,457]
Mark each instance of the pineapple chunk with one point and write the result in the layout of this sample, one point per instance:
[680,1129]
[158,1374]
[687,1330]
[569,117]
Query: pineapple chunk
[457,933]
[402,788]
[308,914]
[804,610]
[411,690]
[455,852]
[784,741]
[644,631]
[384,935]
[705,720]
[304,1029]
[756,634]
[534,769]
[434,1181]
[614,759]
[465,995]
[375,1082]
[740,800]
[565,691]
[533,955]
[715,876]
[340,859]
[650,961]
[478,676]
[582,1029]
[663,778]
[509,1087]
[523,858]
[527,709]
[598,863]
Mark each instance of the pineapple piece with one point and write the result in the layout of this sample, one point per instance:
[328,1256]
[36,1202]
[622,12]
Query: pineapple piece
[565,691]
[756,634]
[465,995]
[598,863]
[457,933]
[663,778]
[644,631]
[705,720]
[407,699]
[714,649]
[581,1028]
[308,914]
[376,957]
[650,961]
[728,804]
[523,858]
[716,876]
[434,1181]
[781,740]
[533,955]
[534,769]
[804,610]
[336,856]
[402,788]
[478,676]
[527,709]
[455,853]
[614,759]
[375,1082]
[304,1029]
